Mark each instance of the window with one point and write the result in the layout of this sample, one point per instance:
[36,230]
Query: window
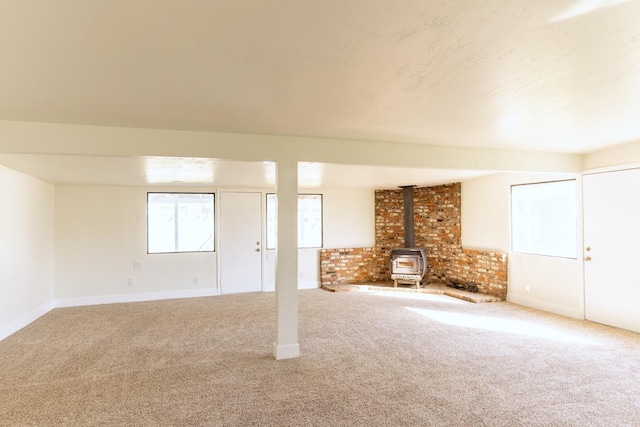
[309,221]
[544,219]
[179,222]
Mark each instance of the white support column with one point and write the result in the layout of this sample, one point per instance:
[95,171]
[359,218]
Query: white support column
[286,345]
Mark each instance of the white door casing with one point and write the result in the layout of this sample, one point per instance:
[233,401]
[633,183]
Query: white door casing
[240,249]
[611,248]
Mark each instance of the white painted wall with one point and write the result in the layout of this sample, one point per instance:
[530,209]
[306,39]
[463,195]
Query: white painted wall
[349,218]
[348,222]
[101,232]
[26,250]
[555,284]
[485,213]
[625,155]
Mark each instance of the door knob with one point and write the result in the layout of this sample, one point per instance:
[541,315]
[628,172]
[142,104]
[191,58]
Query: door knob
[587,258]
[258,250]
[588,248]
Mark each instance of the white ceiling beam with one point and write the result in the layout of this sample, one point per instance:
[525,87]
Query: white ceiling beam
[49,138]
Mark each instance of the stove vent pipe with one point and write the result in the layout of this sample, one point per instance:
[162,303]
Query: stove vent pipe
[409,236]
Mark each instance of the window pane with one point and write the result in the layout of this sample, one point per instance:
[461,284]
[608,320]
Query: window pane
[544,218]
[309,221]
[180,222]
[162,224]
[272,221]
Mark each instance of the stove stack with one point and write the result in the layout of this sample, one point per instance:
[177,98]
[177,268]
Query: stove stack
[409,264]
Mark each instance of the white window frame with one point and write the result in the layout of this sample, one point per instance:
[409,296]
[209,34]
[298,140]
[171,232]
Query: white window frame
[208,228]
[544,218]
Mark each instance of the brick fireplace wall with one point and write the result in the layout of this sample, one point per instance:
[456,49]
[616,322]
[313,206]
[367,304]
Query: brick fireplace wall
[486,270]
[437,229]
[355,265]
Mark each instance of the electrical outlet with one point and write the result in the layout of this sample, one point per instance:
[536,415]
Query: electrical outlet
[196,281]
[527,288]
[137,265]
[132,281]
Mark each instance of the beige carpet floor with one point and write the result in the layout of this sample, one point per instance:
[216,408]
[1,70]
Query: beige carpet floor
[367,360]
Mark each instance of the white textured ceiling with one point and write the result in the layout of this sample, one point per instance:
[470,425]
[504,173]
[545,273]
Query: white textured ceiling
[552,75]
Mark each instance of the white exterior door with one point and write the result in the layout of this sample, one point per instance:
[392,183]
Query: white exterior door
[612,248]
[240,242]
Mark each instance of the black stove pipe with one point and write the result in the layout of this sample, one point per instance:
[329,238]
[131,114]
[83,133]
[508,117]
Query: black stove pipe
[409,236]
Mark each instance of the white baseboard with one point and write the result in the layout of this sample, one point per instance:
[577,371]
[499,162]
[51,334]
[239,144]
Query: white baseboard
[23,321]
[562,310]
[151,296]
[283,352]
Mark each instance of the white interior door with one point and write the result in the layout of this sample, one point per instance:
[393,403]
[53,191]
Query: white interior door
[240,242]
[612,255]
